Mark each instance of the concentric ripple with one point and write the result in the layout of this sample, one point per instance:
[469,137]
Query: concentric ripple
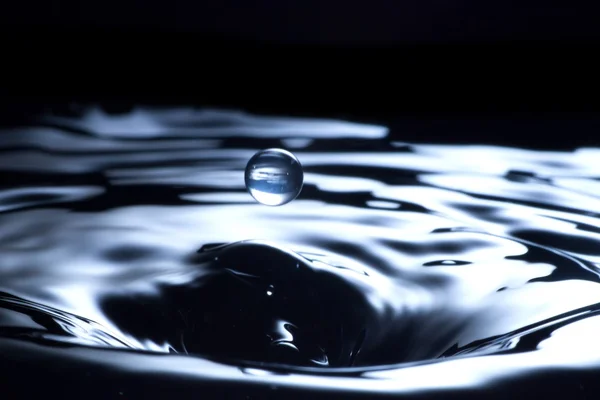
[128,243]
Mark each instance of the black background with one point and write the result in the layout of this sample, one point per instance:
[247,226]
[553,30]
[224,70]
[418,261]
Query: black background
[522,73]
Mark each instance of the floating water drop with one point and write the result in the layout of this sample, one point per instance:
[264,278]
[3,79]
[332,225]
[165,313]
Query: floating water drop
[274,177]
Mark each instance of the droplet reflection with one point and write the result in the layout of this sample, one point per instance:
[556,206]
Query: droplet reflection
[274,177]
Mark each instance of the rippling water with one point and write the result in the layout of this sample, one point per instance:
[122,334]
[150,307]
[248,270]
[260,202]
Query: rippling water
[134,263]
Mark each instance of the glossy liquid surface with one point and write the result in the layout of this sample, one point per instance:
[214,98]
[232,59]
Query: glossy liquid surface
[134,263]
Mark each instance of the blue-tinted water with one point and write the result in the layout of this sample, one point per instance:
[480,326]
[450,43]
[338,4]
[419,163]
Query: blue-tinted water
[134,263]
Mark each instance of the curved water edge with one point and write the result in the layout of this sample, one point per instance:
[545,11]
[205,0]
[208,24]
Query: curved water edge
[130,242]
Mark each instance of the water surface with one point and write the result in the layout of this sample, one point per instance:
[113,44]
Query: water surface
[135,264]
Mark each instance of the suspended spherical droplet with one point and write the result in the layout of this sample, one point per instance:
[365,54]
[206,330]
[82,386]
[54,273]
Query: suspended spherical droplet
[274,177]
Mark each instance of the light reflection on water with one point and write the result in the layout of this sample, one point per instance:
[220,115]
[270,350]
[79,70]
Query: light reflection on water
[401,269]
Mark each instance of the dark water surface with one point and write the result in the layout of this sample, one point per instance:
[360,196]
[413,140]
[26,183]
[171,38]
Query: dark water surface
[134,264]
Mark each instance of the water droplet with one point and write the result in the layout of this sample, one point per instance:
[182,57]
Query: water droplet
[274,177]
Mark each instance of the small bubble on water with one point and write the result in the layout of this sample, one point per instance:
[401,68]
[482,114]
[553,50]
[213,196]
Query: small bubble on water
[274,177]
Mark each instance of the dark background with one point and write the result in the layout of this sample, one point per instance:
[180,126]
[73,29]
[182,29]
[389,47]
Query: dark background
[335,22]
[521,72]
